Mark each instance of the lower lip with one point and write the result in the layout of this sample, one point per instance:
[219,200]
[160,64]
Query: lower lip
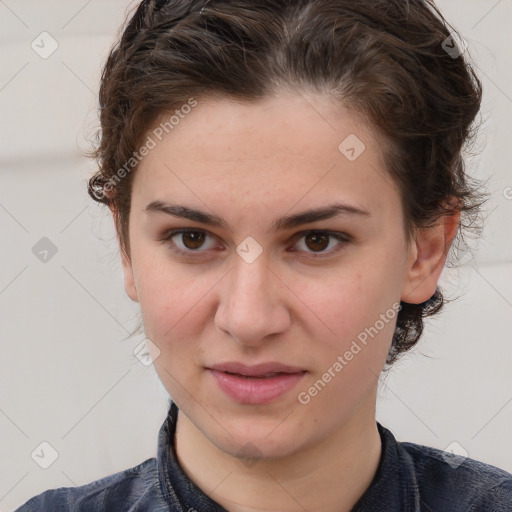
[255,391]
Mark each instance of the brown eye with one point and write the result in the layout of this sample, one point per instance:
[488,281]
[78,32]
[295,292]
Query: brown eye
[189,242]
[192,239]
[317,241]
[317,244]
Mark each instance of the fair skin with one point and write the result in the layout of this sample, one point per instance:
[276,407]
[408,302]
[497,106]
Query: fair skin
[251,164]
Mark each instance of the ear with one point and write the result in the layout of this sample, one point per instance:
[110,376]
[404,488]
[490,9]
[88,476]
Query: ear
[428,252]
[129,281]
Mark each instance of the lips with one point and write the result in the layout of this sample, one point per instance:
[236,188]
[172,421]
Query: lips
[258,384]
[258,370]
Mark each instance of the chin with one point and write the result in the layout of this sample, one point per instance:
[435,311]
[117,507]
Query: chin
[251,439]
[251,450]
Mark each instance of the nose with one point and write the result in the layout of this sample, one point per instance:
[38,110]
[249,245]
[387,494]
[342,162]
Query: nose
[252,303]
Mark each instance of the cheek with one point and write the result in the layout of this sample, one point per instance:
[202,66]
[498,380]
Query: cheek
[172,304]
[349,361]
[359,305]
[350,300]
[170,296]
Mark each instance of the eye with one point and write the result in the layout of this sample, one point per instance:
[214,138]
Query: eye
[318,241]
[187,241]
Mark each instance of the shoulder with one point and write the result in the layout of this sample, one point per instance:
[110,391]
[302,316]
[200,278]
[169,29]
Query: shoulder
[443,478]
[131,489]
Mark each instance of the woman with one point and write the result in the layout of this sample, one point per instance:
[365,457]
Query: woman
[286,182]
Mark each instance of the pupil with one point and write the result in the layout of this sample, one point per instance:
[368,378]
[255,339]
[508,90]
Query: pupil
[196,239]
[315,237]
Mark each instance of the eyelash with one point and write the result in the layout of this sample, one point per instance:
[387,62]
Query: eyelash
[341,237]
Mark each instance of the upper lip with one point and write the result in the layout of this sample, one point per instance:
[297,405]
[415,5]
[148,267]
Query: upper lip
[256,370]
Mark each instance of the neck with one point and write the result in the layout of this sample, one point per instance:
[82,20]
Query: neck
[330,476]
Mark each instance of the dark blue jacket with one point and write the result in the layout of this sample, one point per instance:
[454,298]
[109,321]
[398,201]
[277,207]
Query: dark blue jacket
[410,478]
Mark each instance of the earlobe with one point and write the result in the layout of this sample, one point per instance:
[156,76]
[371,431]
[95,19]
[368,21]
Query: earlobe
[429,251]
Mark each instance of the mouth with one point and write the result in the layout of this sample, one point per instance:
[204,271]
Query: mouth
[258,384]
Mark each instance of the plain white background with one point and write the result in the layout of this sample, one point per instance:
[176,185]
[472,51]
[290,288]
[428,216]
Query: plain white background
[68,373]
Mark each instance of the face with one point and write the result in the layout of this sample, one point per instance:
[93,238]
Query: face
[273,322]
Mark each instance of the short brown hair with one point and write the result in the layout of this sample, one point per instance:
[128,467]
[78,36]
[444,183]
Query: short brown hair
[395,62]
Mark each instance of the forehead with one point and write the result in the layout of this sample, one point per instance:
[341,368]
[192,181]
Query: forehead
[283,150]
[225,129]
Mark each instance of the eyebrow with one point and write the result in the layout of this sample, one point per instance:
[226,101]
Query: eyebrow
[282,223]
